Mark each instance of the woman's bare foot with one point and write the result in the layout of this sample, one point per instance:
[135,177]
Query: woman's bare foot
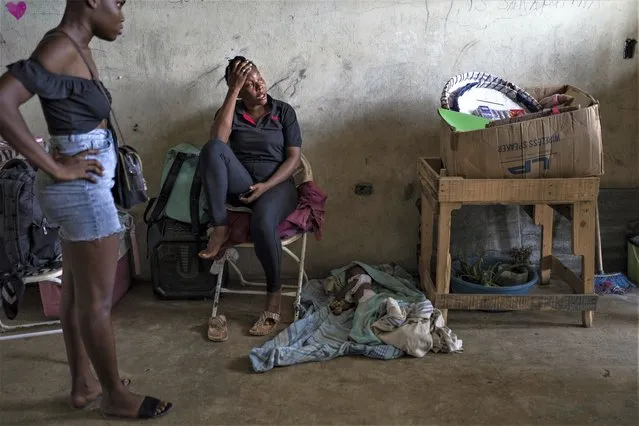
[125,404]
[87,391]
[218,235]
[274,302]
[84,391]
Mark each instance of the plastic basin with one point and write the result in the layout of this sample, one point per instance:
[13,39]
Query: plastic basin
[459,286]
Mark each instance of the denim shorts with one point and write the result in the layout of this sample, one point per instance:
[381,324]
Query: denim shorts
[82,210]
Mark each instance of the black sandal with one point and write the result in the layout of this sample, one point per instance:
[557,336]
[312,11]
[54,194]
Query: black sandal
[11,292]
[150,409]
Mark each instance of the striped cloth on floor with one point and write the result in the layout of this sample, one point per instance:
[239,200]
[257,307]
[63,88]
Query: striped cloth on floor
[613,284]
[321,336]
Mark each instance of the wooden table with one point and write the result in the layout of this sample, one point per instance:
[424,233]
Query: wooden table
[442,194]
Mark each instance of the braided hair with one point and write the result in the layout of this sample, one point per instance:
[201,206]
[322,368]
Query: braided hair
[229,67]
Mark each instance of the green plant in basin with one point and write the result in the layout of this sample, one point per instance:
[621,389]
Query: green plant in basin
[499,274]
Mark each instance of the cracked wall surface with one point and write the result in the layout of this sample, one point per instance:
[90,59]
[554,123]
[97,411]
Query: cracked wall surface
[365,78]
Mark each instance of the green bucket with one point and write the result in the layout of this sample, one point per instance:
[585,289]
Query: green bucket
[633,259]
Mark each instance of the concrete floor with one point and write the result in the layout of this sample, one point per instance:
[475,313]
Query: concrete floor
[517,368]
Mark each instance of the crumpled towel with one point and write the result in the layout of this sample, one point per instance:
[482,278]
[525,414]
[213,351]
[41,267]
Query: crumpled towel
[415,328]
[361,281]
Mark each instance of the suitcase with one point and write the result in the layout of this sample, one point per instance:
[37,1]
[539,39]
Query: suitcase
[177,272]
[51,293]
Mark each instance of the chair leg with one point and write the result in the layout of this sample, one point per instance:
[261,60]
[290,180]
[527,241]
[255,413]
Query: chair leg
[218,288]
[31,334]
[243,282]
[302,276]
[300,280]
[295,258]
[53,277]
[3,327]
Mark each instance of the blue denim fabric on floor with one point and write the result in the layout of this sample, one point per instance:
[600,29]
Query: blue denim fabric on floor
[84,211]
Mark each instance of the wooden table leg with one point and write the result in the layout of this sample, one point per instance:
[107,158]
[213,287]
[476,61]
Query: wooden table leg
[426,245]
[583,244]
[443,250]
[544,218]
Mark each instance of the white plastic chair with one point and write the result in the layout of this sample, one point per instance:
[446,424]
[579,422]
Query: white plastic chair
[303,174]
[54,276]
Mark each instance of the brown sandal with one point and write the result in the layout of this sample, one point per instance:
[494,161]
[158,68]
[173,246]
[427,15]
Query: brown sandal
[218,330]
[265,324]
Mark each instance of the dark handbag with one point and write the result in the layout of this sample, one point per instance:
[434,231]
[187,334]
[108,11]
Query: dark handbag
[129,187]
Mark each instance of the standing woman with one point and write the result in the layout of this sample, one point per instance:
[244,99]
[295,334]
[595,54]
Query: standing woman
[74,191]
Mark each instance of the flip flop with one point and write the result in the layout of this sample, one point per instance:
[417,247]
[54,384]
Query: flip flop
[218,330]
[11,292]
[150,409]
[89,404]
[264,328]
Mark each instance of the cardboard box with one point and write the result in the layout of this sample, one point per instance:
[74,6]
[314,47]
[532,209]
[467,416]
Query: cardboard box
[557,146]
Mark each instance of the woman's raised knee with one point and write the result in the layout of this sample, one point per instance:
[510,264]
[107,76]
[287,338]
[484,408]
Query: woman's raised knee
[214,148]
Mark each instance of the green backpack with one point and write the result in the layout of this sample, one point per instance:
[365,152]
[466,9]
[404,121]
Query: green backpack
[181,197]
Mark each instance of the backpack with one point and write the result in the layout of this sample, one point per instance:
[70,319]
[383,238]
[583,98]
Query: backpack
[181,196]
[27,242]
[180,182]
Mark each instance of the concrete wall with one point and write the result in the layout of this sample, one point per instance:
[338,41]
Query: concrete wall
[365,78]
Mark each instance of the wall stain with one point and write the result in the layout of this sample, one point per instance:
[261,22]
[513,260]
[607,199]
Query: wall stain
[277,83]
[464,49]
[427,16]
[450,9]
[298,68]
[409,191]
[294,87]
[203,75]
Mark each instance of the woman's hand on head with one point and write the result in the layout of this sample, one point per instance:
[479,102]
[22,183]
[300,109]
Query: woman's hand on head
[238,75]
[73,167]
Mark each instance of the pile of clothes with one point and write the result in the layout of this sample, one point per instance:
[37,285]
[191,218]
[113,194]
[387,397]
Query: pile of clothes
[373,311]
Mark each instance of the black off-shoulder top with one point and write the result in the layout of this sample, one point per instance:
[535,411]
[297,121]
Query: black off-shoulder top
[71,105]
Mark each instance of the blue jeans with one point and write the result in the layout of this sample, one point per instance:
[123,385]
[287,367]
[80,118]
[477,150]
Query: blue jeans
[224,178]
[82,210]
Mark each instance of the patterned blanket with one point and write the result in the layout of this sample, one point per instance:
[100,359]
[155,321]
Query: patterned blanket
[398,313]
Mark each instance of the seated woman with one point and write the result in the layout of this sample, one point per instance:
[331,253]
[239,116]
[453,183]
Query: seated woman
[254,150]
